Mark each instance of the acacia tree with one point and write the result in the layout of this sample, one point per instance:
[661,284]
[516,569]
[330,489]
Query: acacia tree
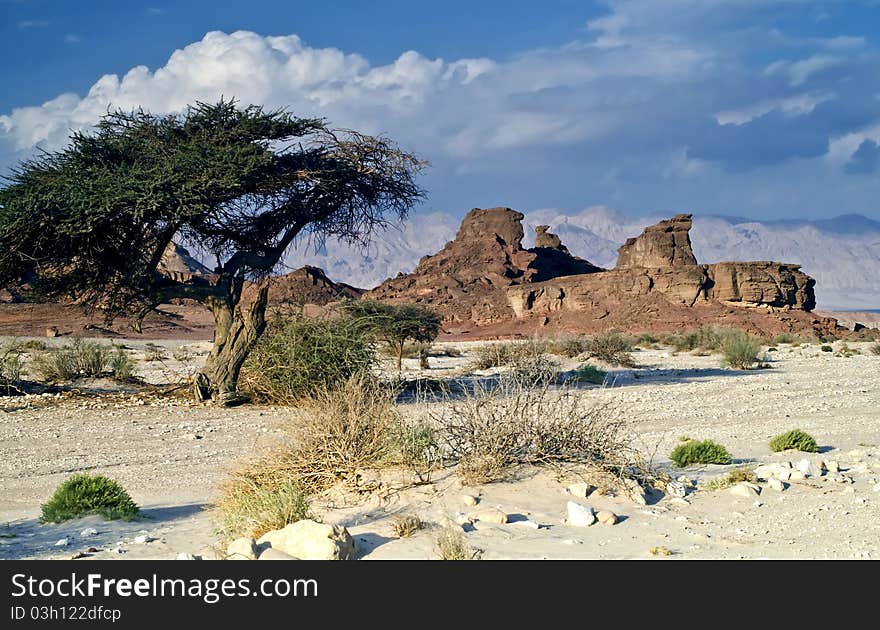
[91,222]
[395,324]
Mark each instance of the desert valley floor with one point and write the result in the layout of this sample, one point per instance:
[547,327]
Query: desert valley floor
[171,455]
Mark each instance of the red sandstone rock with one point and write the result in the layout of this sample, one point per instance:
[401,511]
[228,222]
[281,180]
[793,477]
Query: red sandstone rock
[666,244]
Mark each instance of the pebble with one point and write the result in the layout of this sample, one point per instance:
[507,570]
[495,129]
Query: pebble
[776,485]
[143,539]
[580,515]
[469,500]
[580,490]
[88,532]
[606,517]
[528,523]
[804,466]
[832,466]
[63,542]
[797,475]
[186,556]
[676,489]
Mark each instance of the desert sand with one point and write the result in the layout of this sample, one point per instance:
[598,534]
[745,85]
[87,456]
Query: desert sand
[171,455]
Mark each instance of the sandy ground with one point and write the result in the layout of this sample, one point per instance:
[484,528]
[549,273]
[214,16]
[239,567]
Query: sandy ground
[171,455]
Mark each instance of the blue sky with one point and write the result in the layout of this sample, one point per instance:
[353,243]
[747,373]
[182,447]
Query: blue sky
[761,108]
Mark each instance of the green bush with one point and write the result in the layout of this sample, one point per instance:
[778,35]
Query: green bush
[613,348]
[121,366]
[740,350]
[396,324]
[299,356]
[794,439]
[732,478]
[416,447]
[80,359]
[587,373]
[826,348]
[11,367]
[569,347]
[84,494]
[706,452]
[250,507]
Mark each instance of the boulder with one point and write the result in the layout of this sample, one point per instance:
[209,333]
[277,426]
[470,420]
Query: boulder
[666,244]
[491,516]
[270,553]
[242,549]
[579,515]
[309,540]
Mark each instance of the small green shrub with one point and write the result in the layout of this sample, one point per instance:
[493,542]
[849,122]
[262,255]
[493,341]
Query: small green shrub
[11,366]
[740,350]
[794,439]
[826,348]
[84,494]
[121,366]
[693,452]
[732,478]
[846,351]
[250,507]
[80,359]
[613,348]
[416,447]
[587,373]
[299,356]
[154,352]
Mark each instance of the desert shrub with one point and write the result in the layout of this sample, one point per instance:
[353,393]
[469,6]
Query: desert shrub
[396,324]
[121,366]
[79,359]
[613,348]
[740,350]
[794,439]
[492,427]
[83,494]
[703,339]
[846,350]
[415,446]
[875,349]
[299,356]
[154,352]
[251,507]
[507,353]
[406,526]
[732,478]
[452,546]
[451,351]
[826,348]
[11,367]
[182,354]
[693,452]
[32,345]
[660,550]
[569,347]
[587,373]
[646,340]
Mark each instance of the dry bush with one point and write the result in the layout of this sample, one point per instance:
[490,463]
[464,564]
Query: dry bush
[11,367]
[732,478]
[508,353]
[740,350]
[491,428]
[154,352]
[613,348]
[406,526]
[83,359]
[875,349]
[251,507]
[569,347]
[414,446]
[452,546]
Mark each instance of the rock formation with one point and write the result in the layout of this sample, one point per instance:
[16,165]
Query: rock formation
[484,281]
[309,285]
[666,244]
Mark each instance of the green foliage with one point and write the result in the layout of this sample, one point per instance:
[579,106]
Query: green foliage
[845,350]
[415,446]
[84,494]
[79,359]
[299,356]
[613,348]
[732,478]
[250,507]
[826,348]
[395,324]
[11,366]
[121,366]
[794,439]
[507,353]
[740,350]
[589,374]
[693,452]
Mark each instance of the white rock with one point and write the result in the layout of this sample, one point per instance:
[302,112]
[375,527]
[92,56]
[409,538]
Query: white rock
[527,523]
[676,489]
[309,540]
[187,556]
[469,500]
[832,466]
[784,474]
[635,491]
[143,539]
[877,487]
[463,519]
[494,515]
[606,517]
[804,466]
[88,532]
[580,515]
[580,490]
[797,475]
[63,542]
[776,485]
[744,490]
[242,549]
[271,553]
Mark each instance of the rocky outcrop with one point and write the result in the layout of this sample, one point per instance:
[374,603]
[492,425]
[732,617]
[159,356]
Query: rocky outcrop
[465,281]
[546,240]
[666,244]
[309,285]
[753,284]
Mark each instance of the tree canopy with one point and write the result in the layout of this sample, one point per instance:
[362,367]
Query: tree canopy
[395,324]
[92,221]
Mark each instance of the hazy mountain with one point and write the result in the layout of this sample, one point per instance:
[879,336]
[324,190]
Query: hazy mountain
[842,253]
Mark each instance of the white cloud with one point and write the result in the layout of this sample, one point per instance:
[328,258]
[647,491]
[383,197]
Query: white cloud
[797,105]
[799,71]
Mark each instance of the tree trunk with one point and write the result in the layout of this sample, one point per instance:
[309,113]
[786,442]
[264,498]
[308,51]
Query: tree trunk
[400,356]
[235,335]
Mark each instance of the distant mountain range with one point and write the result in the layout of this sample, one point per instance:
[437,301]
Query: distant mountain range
[842,253]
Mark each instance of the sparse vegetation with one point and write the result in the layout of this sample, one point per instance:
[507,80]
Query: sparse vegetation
[82,359]
[740,350]
[396,324]
[300,356]
[121,366]
[660,550]
[507,353]
[732,478]
[587,373]
[452,546]
[794,439]
[416,448]
[846,351]
[154,352]
[694,452]
[406,526]
[83,494]
[613,348]
[570,347]
[11,367]
[826,348]
[250,506]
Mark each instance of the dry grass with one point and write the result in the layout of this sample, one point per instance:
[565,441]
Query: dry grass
[732,478]
[406,526]
[452,546]
[251,507]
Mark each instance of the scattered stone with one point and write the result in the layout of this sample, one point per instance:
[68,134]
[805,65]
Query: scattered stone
[804,466]
[769,471]
[118,550]
[679,501]
[92,550]
[78,555]
[832,466]
[580,490]
[88,532]
[527,523]
[606,517]
[242,549]
[309,540]
[491,516]
[463,519]
[635,491]
[580,515]
[143,539]
[676,489]
[187,556]
[797,475]
[469,500]
[63,542]
[270,553]
[776,485]
[744,489]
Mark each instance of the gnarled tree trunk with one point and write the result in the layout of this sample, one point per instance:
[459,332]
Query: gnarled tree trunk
[235,334]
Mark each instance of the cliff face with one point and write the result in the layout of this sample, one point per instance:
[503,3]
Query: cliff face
[485,280]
